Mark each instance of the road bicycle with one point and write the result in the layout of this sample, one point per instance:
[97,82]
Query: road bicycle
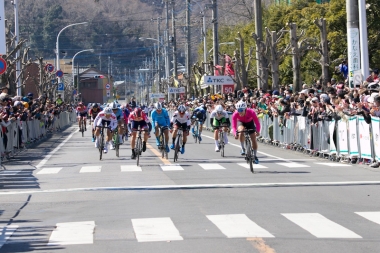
[115,140]
[139,146]
[82,126]
[221,139]
[178,143]
[249,157]
[196,130]
[163,144]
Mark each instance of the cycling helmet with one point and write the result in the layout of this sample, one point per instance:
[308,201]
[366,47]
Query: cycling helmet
[241,106]
[95,105]
[108,110]
[182,109]
[204,107]
[138,112]
[80,103]
[114,106]
[158,106]
[219,109]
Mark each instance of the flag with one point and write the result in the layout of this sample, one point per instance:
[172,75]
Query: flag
[229,66]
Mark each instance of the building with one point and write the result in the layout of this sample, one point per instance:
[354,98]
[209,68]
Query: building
[95,87]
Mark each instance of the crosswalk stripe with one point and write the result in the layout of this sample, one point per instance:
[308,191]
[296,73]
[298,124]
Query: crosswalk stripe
[6,232]
[69,233]
[211,166]
[171,167]
[238,226]
[155,229]
[130,168]
[293,165]
[49,171]
[372,216]
[255,166]
[88,169]
[320,226]
[334,164]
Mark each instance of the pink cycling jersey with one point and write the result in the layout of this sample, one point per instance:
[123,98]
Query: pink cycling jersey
[249,116]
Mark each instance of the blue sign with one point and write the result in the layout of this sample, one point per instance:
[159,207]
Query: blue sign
[3,66]
[50,68]
[59,73]
[61,87]
[74,92]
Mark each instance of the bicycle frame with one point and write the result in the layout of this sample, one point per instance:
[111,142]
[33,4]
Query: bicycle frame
[178,143]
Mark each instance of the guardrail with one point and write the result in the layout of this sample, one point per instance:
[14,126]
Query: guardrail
[17,134]
[347,140]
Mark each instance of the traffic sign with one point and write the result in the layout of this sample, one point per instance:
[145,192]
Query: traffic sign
[3,66]
[157,95]
[59,73]
[60,87]
[108,86]
[108,93]
[176,90]
[49,67]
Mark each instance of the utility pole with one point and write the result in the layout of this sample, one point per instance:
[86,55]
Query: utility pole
[158,54]
[259,33]
[167,63]
[188,49]
[204,41]
[353,41]
[18,64]
[215,32]
[174,41]
[363,38]
[109,70]
[125,83]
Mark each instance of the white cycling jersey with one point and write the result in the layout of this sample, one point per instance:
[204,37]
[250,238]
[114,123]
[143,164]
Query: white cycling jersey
[102,116]
[181,119]
[214,114]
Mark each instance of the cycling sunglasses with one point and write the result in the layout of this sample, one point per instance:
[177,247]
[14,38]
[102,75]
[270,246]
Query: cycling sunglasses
[241,110]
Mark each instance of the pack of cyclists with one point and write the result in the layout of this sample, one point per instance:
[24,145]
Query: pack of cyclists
[128,119]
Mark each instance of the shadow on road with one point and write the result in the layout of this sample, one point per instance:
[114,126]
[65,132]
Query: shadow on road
[18,179]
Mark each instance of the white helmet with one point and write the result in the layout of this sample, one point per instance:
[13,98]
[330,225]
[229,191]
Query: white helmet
[113,105]
[219,108]
[241,105]
[181,108]
[158,106]
[108,110]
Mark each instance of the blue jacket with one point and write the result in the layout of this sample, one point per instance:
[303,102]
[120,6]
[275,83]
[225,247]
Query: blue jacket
[161,118]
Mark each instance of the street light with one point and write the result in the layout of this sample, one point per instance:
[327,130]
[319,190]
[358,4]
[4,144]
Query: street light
[72,66]
[57,43]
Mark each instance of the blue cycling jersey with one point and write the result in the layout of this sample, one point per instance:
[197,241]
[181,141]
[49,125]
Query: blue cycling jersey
[119,113]
[161,118]
[200,109]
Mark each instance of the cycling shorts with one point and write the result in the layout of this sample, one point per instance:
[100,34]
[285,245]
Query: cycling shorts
[105,123]
[181,125]
[136,124]
[248,125]
[216,123]
[82,114]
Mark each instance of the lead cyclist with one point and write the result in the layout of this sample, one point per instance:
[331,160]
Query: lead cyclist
[218,118]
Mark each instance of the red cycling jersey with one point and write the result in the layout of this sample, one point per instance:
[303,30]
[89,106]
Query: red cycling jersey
[133,117]
[81,109]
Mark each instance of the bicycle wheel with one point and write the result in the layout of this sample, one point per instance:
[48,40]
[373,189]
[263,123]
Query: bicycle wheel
[101,145]
[221,143]
[196,132]
[82,128]
[162,145]
[249,155]
[176,148]
[116,143]
[137,150]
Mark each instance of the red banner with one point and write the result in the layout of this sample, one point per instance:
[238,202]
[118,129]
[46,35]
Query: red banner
[228,88]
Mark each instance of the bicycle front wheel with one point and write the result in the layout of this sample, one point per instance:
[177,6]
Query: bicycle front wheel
[176,148]
[116,142]
[101,145]
[82,128]
[221,143]
[137,150]
[162,145]
[249,155]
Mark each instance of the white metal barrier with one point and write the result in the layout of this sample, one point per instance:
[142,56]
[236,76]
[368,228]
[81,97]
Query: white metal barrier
[15,135]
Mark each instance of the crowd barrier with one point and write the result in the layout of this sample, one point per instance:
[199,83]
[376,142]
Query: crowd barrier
[349,139]
[17,134]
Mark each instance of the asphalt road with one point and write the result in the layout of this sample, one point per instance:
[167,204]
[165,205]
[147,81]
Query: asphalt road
[58,197]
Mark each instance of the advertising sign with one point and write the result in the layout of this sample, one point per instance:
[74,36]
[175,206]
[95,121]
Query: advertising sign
[176,90]
[157,95]
[228,88]
[217,80]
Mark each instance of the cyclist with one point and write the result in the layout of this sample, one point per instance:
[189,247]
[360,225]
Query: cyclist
[200,114]
[246,118]
[160,118]
[138,119]
[219,117]
[94,111]
[180,119]
[82,115]
[126,113]
[107,118]
[120,120]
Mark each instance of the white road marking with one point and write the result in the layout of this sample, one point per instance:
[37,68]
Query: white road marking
[255,166]
[155,229]
[211,166]
[47,157]
[372,216]
[130,168]
[238,226]
[90,169]
[69,233]
[49,171]
[194,186]
[171,167]
[334,164]
[293,165]
[6,232]
[320,226]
